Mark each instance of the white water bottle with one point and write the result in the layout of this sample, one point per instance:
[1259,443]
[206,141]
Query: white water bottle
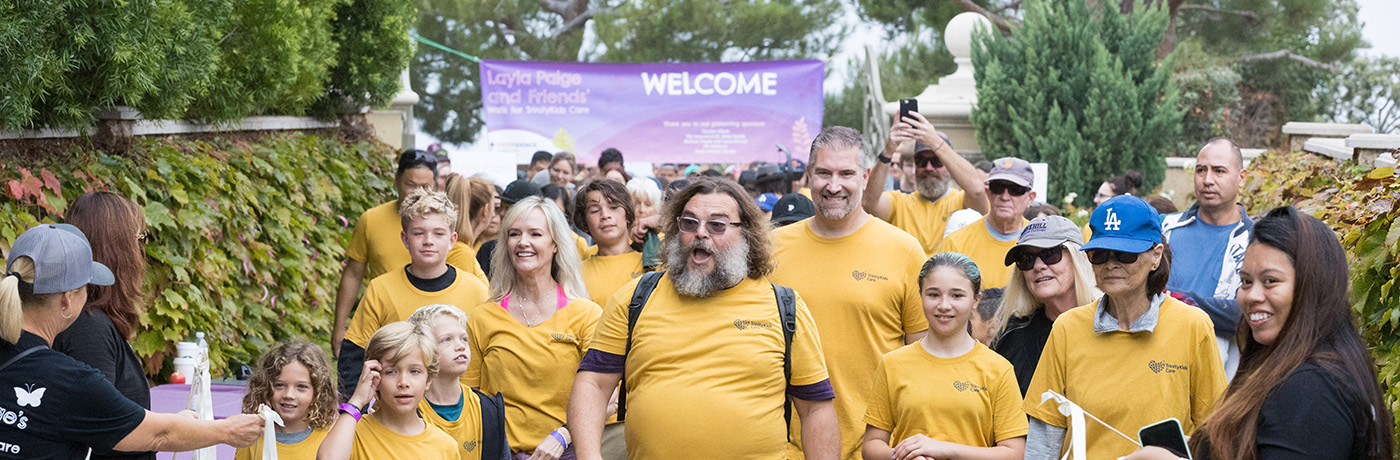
[203,345]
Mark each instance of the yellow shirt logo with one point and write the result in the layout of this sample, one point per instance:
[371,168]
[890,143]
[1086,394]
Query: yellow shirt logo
[1159,366]
[742,324]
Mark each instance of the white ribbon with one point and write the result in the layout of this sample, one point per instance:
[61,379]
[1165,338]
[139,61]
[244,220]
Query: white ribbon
[269,450]
[202,403]
[1077,444]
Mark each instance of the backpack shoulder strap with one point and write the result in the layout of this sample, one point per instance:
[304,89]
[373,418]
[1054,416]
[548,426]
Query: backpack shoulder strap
[645,286]
[787,313]
[493,426]
[21,354]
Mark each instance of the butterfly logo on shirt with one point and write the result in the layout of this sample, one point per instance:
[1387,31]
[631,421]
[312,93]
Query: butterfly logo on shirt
[965,386]
[562,337]
[31,397]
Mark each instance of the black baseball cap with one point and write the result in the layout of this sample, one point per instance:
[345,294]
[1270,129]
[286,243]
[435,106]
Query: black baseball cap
[519,190]
[792,208]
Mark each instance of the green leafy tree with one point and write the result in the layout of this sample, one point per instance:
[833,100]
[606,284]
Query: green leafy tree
[1079,89]
[373,51]
[904,72]
[1369,94]
[641,31]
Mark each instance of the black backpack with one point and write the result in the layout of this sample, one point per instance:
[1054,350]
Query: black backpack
[787,312]
[493,426]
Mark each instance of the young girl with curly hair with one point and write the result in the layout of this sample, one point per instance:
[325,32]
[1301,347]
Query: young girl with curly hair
[294,379]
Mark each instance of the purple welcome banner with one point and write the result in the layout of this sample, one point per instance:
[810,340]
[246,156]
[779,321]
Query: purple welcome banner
[663,112]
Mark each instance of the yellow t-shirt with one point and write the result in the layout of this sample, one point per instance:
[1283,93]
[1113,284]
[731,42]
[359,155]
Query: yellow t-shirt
[463,256]
[533,367]
[584,250]
[705,376]
[304,450]
[1129,379]
[971,400]
[377,242]
[921,218]
[602,275]
[391,297]
[374,441]
[987,251]
[465,431]
[863,292]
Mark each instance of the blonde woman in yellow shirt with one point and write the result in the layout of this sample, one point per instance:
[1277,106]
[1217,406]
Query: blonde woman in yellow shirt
[528,340]
[946,396]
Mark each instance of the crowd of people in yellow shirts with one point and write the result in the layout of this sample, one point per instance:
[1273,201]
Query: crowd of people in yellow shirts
[535,346]
[688,318]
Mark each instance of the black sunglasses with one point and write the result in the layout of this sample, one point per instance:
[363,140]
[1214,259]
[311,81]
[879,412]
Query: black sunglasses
[1100,256]
[998,187]
[1051,256]
[920,162]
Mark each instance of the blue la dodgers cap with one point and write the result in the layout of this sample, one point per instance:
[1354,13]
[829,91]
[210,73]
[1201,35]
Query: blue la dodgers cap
[1125,223]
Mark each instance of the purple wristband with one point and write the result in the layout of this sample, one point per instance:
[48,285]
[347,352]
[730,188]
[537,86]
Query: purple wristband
[352,410]
[559,437]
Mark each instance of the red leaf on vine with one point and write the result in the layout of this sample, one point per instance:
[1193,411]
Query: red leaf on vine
[50,180]
[15,189]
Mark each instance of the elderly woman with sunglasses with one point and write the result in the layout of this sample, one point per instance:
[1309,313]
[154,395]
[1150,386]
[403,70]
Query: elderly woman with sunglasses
[1051,276]
[1134,357]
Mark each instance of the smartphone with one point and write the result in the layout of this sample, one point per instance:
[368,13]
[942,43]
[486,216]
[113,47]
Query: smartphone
[1166,434]
[907,106]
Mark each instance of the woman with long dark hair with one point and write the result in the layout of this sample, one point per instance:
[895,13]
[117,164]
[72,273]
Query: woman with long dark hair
[99,336]
[1306,386]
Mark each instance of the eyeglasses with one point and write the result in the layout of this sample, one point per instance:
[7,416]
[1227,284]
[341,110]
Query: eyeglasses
[1051,256]
[997,188]
[713,227]
[1100,256]
[141,235]
[920,162]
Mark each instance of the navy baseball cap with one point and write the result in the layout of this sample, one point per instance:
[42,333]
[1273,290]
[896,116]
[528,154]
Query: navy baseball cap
[62,259]
[792,208]
[1125,223]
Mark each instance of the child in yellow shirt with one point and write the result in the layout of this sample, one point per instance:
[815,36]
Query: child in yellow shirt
[294,379]
[474,420]
[946,396]
[400,361]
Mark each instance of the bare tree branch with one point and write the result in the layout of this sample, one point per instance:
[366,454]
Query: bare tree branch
[578,21]
[1207,8]
[1001,22]
[1289,55]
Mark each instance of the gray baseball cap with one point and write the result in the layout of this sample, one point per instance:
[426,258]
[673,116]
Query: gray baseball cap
[1045,232]
[62,259]
[1013,170]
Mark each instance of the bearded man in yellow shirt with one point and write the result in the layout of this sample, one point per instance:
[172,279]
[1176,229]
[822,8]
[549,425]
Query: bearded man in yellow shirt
[854,272]
[705,365]
[988,239]
[925,212]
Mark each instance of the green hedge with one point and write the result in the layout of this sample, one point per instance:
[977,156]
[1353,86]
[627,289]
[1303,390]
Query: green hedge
[1362,205]
[212,60]
[245,238]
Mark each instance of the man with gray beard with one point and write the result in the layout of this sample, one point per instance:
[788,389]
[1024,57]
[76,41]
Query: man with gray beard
[705,367]
[924,213]
[858,273]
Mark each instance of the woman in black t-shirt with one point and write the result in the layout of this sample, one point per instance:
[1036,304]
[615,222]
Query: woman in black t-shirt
[1306,387]
[62,407]
[99,335]
[1051,276]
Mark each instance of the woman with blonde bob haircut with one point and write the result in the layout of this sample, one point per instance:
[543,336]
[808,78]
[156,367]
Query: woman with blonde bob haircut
[528,340]
[1052,276]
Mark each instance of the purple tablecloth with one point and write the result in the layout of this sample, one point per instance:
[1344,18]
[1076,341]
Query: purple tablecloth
[172,398]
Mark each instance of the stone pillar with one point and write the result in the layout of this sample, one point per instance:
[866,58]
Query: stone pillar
[948,103]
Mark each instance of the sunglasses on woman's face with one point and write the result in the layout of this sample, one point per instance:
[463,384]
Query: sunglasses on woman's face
[1100,256]
[1051,256]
